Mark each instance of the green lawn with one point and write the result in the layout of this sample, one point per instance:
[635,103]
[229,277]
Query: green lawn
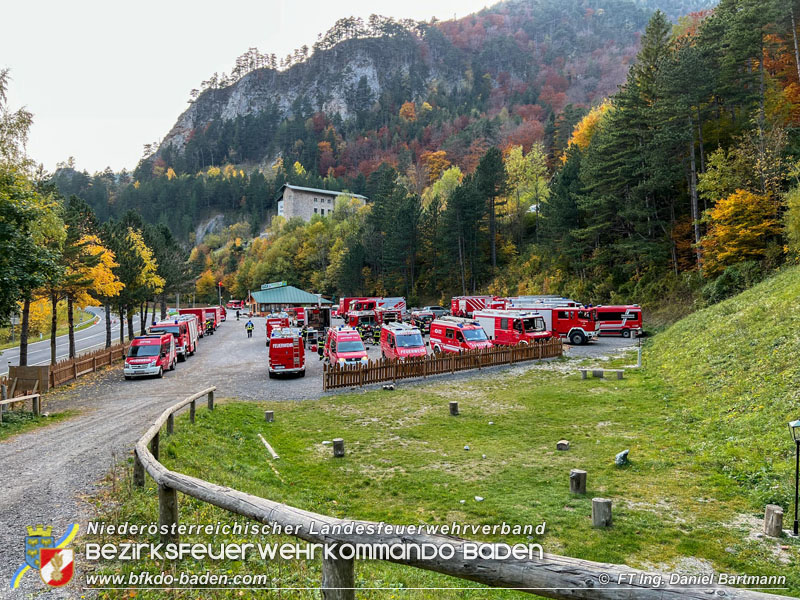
[63,329]
[18,421]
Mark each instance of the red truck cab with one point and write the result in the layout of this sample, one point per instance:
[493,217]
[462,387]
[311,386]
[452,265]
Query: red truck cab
[361,318]
[343,345]
[509,328]
[465,306]
[184,344]
[400,341]
[577,324]
[422,319]
[150,355]
[625,320]
[455,334]
[203,316]
[287,353]
[276,321]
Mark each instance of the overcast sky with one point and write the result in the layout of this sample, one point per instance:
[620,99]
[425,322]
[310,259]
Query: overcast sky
[104,78]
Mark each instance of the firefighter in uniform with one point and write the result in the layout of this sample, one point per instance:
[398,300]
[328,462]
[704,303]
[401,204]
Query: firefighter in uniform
[249,327]
[376,336]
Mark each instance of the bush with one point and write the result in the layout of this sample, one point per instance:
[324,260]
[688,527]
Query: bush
[733,280]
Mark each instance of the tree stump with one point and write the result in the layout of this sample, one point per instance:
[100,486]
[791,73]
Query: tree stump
[577,481]
[601,512]
[269,416]
[773,520]
[338,447]
[453,408]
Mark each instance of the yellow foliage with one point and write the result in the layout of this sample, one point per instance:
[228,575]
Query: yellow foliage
[104,282]
[213,172]
[229,171]
[171,174]
[426,107]
[740,228]
[584,130]
[206,285]
[436,163]
[299,169]
[408,111]
[136,184]
[148,277]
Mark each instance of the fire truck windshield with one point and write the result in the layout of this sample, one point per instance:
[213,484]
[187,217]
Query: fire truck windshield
[409,340]
[534,324]
[150,350]
[589,315]
[351,346]
[474,335]
[175,331]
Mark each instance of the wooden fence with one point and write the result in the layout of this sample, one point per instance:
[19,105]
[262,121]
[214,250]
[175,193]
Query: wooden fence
[342,376]
[71,368]
[551,576]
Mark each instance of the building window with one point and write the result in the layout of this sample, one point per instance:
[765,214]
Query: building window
[315,209]
[315,200]
[329,200]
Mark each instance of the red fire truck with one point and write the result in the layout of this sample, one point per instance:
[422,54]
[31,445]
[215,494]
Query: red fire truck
[203,316]
[276,321]
[287,353]
[235,304]
[185,343]
[577,324]
[509,328]
[150,355]
[625,320]
[455,334]
[400,341]
[385,315]
[465,306]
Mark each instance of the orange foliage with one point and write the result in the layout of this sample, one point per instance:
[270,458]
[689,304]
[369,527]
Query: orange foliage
[436,163]
[408,111]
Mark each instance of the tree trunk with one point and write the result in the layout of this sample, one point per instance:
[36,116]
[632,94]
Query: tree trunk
[129,316]
[121,324]
[693,193]
[163,308]
[143,317]
[492,233]
[107,309]
[794,37]
[71,325]
[23,332]
[53,327]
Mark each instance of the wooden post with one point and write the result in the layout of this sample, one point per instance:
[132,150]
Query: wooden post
[601,512]
[192,409]
[94,363]
[619,374]
[36,400]
[583,374]
[211,400]
[154,446]
[138,471]
[773,520]
[453,408]
[170,424]
[338,579]
[269,416]
[338,447]
[167,512]
[577,481]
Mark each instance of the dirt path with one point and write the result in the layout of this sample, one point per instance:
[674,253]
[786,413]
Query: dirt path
[48,470]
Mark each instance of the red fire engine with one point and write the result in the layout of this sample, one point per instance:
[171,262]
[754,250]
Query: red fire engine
[465,306]
[287,353]
[276,321]
[623,320]
[509,328]
[578,325]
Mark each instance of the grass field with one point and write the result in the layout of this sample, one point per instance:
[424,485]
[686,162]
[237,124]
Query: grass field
[85,318]
[705,422]
[18,421]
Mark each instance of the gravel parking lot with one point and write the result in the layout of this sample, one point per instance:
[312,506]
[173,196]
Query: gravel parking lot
[50,468]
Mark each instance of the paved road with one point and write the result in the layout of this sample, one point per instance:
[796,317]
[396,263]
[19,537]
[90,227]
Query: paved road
[91,338]
[48,470]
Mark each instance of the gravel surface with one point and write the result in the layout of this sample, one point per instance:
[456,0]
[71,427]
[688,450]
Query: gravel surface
[49,469]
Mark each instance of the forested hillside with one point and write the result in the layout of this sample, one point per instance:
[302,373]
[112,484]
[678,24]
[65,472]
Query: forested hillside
[499,155]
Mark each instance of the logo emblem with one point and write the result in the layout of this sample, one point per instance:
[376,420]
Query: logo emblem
[38,537]
[57,566]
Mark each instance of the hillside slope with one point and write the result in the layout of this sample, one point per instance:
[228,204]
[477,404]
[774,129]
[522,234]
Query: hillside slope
[734,370]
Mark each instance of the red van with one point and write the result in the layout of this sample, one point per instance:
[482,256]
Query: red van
[623,320]
[455,334]
[276,321]
[509,328]
[184,343]
[400,341]
[343,345]
[287,353]
[195,331]
[150,355]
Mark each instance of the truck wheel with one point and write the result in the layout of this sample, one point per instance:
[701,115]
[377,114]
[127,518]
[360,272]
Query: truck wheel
[577,339]
[626,333]
[302,373]
[182,357]
[437,350]
[271,375]
[523,343]
[127,377]
[160,372]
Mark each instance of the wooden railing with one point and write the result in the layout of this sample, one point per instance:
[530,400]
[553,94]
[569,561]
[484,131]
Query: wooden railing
[71,368]
[342,376]
[36,403]
[551,576]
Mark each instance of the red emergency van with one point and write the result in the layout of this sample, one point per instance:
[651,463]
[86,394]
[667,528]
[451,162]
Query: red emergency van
[400,341]
[625,320]
[195,331]
[509,328]
[456,334]
[150,355]
[184,345]
[343,345]
[422,319]
[287,353]
[276,321]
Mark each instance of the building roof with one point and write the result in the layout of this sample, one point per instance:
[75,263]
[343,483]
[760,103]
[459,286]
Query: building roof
[318,191]
[286,294]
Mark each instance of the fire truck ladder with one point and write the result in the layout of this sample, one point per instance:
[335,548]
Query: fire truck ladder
[296,351]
